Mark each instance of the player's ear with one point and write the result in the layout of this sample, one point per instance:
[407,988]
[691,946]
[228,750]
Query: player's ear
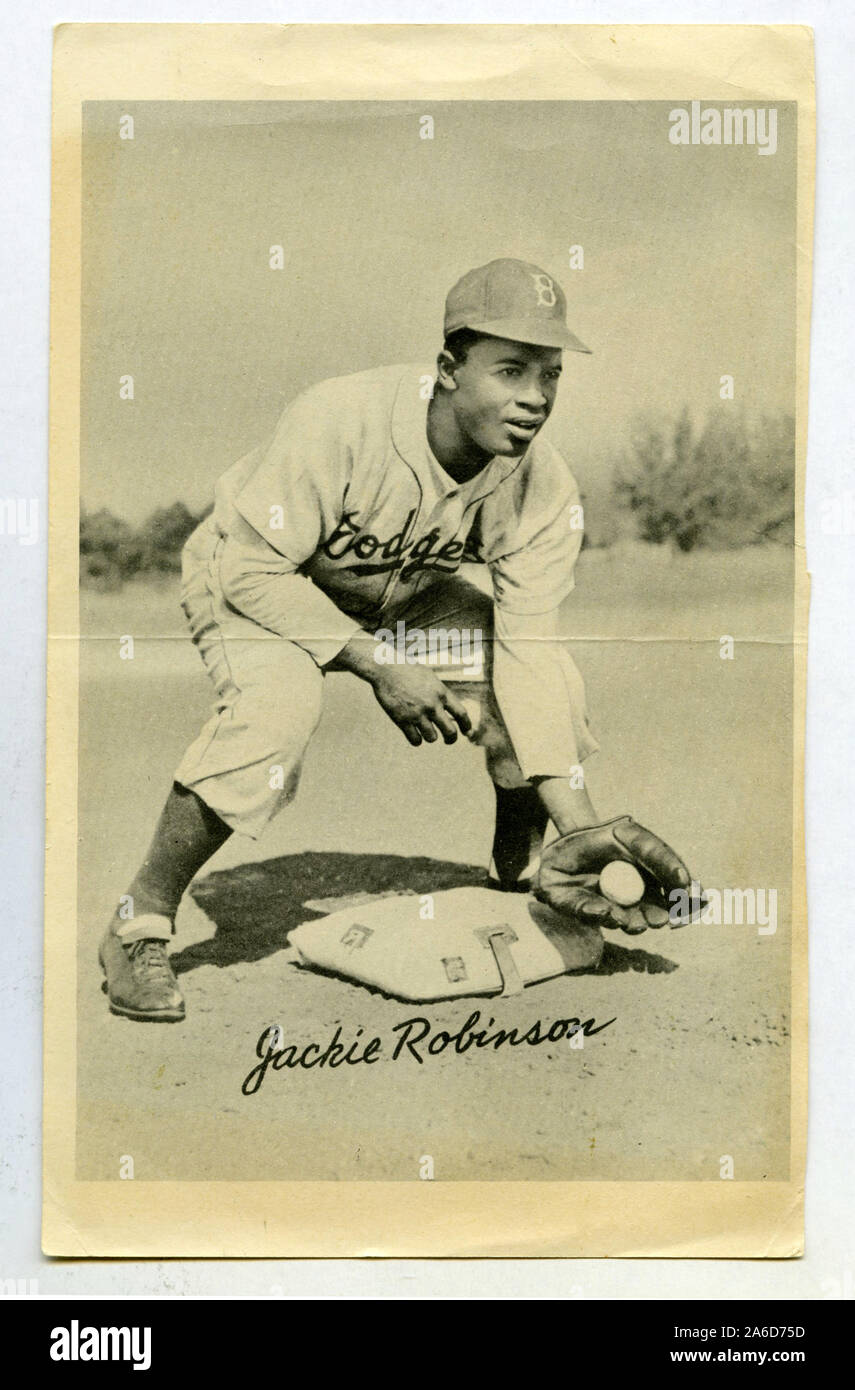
[446,365]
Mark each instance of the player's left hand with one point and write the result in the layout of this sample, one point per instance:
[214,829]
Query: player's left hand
[568,879]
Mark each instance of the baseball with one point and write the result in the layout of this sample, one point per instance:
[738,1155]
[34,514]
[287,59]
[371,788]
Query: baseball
[621,883]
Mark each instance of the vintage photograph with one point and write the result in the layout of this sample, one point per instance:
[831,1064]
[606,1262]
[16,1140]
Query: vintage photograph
[441,639]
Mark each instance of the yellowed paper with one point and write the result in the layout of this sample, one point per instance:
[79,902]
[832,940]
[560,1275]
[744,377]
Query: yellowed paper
[243,216]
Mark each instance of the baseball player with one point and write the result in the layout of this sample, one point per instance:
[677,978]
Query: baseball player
[354,518]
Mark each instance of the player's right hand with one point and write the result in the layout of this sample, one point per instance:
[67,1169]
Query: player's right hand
[420,704]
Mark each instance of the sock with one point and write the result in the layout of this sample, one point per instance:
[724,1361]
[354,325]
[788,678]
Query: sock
[521,821]
[187,834]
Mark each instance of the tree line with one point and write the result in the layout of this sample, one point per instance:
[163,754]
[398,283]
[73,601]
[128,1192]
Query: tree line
[723,484]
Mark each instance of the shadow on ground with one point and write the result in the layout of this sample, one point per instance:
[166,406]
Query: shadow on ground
[616,960]
[255,906]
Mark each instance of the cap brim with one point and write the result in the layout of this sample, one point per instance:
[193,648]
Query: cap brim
[538,332]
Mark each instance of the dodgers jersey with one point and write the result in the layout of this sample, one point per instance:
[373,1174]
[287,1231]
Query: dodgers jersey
[350,497]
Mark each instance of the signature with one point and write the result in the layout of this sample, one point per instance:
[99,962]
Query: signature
[416,1038]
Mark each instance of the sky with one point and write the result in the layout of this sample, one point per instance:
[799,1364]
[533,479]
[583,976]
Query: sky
[689,267]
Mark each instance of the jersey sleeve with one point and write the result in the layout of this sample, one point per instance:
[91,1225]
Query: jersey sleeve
[279,513]
[541,694]
[259,583]
[534,537]
[532,550]
[294,495]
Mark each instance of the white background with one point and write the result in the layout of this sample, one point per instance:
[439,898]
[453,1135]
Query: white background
[828,1268]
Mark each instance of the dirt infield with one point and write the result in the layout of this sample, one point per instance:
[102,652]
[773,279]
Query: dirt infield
[695,1064]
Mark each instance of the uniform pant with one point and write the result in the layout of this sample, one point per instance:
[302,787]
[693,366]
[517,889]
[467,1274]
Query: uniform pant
[247,760]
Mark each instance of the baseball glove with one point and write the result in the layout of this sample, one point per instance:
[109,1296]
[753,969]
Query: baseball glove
[568,879]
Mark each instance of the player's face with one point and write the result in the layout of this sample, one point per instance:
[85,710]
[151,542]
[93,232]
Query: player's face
[504,393]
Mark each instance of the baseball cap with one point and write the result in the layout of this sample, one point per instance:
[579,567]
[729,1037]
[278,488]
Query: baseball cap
[511,299]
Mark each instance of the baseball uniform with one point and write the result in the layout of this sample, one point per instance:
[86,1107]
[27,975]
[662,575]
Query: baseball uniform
[344,521]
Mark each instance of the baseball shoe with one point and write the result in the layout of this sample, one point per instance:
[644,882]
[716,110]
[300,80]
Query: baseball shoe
[520,885]
[523,884]
[140,981]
